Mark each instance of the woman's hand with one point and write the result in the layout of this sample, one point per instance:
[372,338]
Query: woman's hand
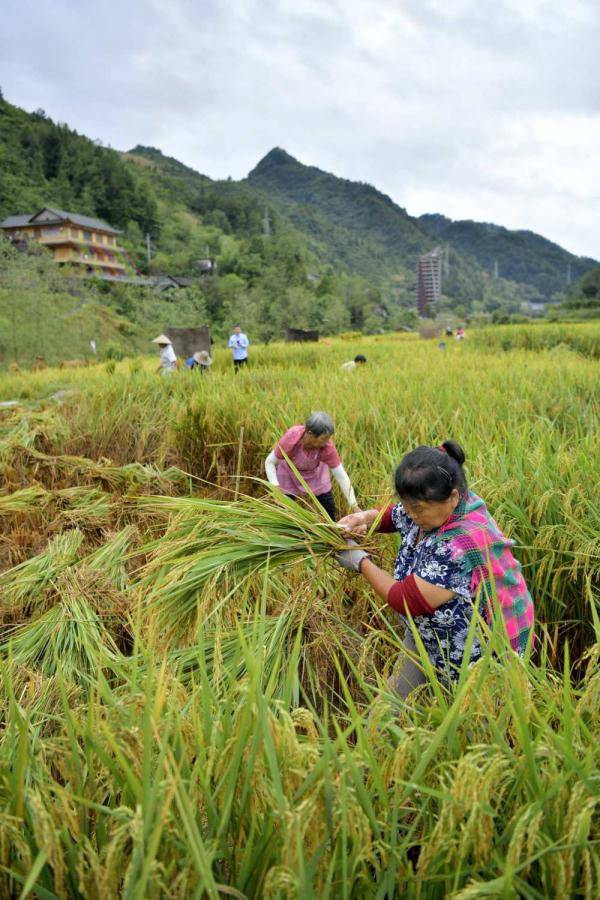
[358,523]
[351,558]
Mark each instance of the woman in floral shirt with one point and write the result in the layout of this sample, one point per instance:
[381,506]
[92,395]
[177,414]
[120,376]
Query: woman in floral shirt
[452,557]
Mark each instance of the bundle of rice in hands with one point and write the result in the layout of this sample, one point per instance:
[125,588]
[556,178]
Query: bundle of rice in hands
[217,546]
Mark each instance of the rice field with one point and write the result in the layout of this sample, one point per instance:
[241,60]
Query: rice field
[194,697]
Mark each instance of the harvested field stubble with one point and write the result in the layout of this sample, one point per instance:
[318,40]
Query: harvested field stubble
[186,681]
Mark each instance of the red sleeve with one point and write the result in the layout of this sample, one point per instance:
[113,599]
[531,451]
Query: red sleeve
[405,596]
[386,525]
[289,440]
[329,455]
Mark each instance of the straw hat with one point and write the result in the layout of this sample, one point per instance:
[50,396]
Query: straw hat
[162,339]
[203,357]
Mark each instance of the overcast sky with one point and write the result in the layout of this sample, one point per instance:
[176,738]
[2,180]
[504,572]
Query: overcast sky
[481,109]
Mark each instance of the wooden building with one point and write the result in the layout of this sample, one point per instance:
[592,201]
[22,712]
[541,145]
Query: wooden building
[298,335]
[187,341]
[86,244]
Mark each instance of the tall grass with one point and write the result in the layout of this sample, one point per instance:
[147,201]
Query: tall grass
[193,697]
[171,782]
[528,422]
[581,338]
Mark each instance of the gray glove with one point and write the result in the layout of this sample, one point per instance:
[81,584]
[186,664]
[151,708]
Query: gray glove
[351,559]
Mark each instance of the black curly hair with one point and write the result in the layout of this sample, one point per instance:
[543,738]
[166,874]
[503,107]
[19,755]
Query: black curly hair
[432,473]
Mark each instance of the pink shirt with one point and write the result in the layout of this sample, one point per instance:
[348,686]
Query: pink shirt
[313,465]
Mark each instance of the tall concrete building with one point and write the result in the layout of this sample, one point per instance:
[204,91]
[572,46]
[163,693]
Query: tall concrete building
[429,278]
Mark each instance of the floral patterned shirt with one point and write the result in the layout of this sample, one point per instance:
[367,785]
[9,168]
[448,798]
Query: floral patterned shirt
[445,633]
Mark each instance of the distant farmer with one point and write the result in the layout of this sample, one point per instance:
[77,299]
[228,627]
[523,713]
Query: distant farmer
[238,344]
[460,334]
[355,363]
[453,558]
[199,361]
[168,360]
[311,450]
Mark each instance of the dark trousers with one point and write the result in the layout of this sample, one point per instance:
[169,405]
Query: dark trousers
[326,500]
[239,362]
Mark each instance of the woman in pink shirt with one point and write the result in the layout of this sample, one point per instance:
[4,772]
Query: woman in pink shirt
[311,450]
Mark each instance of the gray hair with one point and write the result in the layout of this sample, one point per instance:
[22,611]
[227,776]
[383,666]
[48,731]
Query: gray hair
[319,423]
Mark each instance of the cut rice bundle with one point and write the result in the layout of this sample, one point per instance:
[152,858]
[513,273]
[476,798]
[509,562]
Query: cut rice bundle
[216,547]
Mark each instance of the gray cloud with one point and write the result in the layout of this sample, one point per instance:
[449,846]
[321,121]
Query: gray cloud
[478,109]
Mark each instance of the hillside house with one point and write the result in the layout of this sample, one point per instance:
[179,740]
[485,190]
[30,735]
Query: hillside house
[89,245]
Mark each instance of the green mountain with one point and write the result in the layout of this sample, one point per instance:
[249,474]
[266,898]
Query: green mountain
[583,299]
[355,227]
[294,246]
[332,227]
[344,221]
[47,164]
[520,256]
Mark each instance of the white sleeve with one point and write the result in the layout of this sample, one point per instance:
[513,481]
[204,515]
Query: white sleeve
[271,468]
[341,476]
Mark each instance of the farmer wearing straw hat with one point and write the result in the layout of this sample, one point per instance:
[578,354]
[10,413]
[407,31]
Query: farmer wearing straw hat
[201,360]
[453,560]
[312,452]
[168,360]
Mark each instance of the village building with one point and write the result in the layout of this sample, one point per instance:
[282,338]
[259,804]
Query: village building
[168,282]
[86,244]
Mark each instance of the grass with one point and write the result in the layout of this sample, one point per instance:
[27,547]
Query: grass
[194,697]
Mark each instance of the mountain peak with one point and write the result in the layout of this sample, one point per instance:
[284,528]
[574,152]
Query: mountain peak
[140,150]
[275,157]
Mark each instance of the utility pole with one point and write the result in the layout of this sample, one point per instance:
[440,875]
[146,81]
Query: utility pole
[148,248]
[14,332]
[266,223]
[495,268]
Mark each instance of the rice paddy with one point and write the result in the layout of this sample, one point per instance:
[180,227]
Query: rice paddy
[194,698]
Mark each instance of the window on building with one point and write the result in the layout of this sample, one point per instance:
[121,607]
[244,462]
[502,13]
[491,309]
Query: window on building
[87,235]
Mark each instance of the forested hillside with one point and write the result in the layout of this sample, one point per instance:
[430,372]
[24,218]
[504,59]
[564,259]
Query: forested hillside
[45,164]
[294,246]
[520,256]
[46,314]
[268,274]
[583,300]
[347,220]
[366,233]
